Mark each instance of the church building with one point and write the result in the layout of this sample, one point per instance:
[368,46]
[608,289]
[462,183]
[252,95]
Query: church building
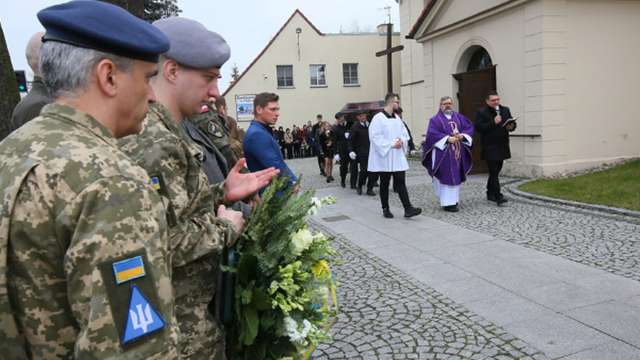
[314,72]
[568,69]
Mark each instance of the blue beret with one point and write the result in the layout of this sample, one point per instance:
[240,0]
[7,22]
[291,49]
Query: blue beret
[192,45]
[103,27]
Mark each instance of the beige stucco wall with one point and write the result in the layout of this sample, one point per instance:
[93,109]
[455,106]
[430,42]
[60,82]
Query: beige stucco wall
[603,82]
[301,103]
[456,10]
[556,69]
[412,70]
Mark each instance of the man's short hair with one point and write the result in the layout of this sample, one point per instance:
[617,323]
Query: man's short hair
[319,116]
[66,69]
[262,99]
[445,98]
[221,102]
[389,97]
[490,94]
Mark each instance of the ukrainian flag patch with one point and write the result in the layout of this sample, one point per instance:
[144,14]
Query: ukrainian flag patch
[128,269]
[155,183]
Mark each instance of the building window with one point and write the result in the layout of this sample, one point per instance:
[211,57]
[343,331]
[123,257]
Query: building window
[350,74]
[285,75]
[480,60]
[317,75]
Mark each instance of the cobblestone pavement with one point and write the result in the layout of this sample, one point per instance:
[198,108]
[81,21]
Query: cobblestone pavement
[605,243]
[385,314]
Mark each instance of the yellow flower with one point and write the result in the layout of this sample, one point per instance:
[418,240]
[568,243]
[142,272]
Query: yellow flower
[321,269]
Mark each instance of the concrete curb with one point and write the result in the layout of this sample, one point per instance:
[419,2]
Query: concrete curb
[600,209]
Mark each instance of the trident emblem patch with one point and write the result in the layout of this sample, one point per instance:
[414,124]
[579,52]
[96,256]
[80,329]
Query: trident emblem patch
[142,318]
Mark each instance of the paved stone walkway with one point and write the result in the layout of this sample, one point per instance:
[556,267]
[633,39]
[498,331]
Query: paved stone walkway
[489,273]
[386,314]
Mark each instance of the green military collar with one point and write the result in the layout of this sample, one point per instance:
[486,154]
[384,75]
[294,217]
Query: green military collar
[163,114]
[68,113]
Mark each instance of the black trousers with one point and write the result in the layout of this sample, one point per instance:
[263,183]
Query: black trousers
[363,176]
[353,173]
[344,166]
[399,182]
[493,184]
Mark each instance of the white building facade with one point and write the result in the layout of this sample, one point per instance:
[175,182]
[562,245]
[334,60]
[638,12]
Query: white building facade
[314,73]
[568,68]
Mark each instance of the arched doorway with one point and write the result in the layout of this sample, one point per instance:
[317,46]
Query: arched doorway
[478,77]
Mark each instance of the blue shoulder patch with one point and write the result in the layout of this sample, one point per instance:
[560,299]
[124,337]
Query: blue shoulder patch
[142,318]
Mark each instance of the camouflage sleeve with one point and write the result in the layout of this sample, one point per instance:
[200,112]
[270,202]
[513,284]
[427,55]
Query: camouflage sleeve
[170,159]
[62,280]
[197,235]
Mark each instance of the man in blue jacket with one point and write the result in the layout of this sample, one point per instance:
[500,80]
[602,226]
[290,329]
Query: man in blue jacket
[260,148]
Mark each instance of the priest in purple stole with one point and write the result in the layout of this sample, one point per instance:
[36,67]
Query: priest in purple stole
[446,153]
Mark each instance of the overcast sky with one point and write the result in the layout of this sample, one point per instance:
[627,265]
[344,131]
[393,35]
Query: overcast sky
[247,25]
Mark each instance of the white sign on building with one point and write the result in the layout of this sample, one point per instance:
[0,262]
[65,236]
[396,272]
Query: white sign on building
[244,107]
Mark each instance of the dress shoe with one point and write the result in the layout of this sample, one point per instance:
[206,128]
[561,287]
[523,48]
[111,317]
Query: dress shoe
[359,190]
[412,211]
[343,184]
[501,200]
[386,213]
[451,208]
[370,192]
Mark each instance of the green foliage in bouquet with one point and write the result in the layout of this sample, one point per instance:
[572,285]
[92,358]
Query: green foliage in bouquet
[284,293]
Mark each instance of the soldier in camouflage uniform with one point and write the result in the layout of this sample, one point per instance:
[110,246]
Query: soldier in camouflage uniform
[84,259]
[213,123]
[175,164]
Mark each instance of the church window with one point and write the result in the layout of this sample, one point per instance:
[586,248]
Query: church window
[480,59]
[350,74]
[285,75]
[317,73]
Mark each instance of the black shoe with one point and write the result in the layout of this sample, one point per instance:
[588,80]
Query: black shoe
[359,190]
[328,179]
[412,211]
[386,213]
[343,184]
[451,208]
[370,192]
[501,200]
[491,197]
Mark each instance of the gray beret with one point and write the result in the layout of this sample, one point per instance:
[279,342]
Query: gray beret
[192,45]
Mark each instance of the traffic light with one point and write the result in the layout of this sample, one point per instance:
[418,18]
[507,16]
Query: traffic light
[22,80]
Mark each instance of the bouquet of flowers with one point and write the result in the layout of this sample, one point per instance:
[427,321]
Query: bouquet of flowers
[285,299]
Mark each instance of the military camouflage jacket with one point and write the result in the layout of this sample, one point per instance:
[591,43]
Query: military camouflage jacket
[75,212]
[169,156]
[214,126]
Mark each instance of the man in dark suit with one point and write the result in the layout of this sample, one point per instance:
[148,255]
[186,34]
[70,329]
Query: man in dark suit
[359,152]
[341,138]
[491,123]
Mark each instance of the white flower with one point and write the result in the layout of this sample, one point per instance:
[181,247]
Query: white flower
[316,204]
[301,240]
[296,336]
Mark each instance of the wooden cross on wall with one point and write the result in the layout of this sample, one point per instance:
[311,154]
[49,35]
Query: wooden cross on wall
[388,52]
